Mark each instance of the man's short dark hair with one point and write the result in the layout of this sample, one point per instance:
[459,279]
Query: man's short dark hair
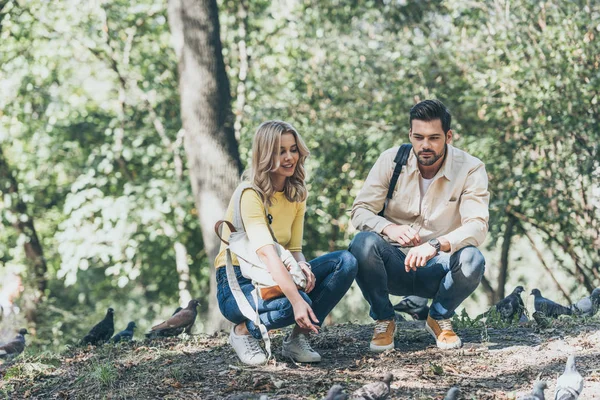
[430,110]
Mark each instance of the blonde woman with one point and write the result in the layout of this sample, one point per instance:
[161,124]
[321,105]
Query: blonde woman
[277,176]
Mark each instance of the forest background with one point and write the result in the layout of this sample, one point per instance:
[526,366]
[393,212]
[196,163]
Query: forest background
[124,126]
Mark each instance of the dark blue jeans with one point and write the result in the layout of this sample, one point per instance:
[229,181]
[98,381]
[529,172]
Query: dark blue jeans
[334,273]
[447,279]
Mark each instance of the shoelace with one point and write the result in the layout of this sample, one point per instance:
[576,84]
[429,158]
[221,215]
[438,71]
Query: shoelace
[381,327]
[252,345]
[303,341]
[445,324]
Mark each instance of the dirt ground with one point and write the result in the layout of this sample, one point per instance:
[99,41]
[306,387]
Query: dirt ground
[494,363]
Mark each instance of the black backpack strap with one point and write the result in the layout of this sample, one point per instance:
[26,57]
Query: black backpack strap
[400,160]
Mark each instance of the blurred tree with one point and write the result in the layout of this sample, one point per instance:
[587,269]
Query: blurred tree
[210,144]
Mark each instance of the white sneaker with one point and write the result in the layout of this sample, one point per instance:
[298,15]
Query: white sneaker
[247,348]
[298,349]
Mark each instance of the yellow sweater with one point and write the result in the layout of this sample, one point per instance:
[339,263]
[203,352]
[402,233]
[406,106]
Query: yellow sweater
[287,223]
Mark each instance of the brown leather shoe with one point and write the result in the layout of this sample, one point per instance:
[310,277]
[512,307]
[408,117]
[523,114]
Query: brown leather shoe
[442,332]
[383,336]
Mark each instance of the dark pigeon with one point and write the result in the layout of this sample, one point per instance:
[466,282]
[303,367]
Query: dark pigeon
[102,331]
[537,393]
[414,306]
[179,322]
[548,307]
[374,391]
[570,384]
[512,307]
[126,334]
[589,305]
[14,347]
[541,319]
[336,392]
[452,394]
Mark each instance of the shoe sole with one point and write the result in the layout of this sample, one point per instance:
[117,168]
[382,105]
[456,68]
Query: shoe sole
[380,349]
[441,345]
[290,355]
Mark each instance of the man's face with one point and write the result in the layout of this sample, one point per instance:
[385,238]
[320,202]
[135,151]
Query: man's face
[429,141]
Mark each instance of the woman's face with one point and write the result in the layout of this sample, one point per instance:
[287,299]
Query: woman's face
[288,157]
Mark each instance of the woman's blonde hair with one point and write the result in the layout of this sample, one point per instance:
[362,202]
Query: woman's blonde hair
[265,159]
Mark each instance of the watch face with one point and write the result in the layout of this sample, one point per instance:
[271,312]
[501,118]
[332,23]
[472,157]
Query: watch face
[435,243]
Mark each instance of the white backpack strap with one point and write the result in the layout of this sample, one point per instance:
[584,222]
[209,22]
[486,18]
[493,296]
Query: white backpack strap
[244,305]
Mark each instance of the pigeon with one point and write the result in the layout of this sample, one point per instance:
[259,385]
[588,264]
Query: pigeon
[452,394]
[589,305]
[177,310]
[541,319]
[336,392]
[570,384]
[512,307]
[179,322]
[14,347]
[374,391]
[125,335]
[102,331]
[548,307]
[537,393]
[415,306]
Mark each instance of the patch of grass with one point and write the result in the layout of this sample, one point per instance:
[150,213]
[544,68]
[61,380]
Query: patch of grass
[177,373]
[100,374]
[464,321]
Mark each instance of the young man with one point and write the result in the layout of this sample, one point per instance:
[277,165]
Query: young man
[424,245]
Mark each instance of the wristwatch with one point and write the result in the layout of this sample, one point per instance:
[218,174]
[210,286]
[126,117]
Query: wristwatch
[435,244]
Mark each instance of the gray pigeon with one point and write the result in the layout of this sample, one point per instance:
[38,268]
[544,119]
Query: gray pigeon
[336,392]
[589,305]
[414,306]
[537,393]
[126,334]
[570,384]
[181,321]
[374,391]
[102,331]
[512,307]
[14,347]
[452,394]
[548,307]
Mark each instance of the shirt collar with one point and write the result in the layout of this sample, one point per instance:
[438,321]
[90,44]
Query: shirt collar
[447,166]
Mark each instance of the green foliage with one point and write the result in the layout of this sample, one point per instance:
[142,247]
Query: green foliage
[90,126]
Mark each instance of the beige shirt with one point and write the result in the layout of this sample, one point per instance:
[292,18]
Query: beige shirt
[454,206]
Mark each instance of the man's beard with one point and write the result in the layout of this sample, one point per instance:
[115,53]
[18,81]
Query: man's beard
[432,160]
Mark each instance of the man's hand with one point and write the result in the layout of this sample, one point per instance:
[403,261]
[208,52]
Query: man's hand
[418,256]
[403,234]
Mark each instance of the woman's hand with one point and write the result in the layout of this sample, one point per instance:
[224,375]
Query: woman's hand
[310,277]
[304,316]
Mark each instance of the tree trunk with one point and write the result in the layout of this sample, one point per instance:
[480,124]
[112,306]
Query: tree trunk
[34,253]
[503,275]
[211,149]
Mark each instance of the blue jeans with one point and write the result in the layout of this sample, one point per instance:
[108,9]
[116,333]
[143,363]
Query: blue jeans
[447,279]
[334,273]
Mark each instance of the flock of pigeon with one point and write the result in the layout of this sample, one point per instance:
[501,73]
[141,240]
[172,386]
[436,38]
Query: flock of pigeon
[511,308]
[568,387]
[181,321]
[375,391]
